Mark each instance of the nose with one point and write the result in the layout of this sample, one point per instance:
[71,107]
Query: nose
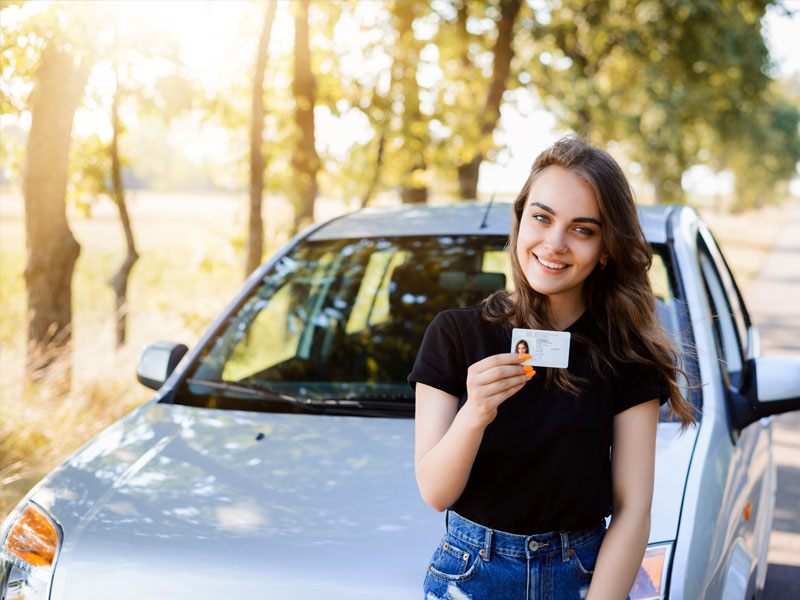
[556,240]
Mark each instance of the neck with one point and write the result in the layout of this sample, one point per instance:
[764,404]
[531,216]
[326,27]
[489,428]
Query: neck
[564,312]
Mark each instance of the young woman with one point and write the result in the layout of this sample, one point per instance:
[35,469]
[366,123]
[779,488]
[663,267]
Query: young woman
[528,467]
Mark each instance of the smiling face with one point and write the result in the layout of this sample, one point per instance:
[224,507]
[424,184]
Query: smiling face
[560,238]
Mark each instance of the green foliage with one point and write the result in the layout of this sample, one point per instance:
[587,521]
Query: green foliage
[464,38]
[90,172]
[771,155]
[671,82]
[12,151]
[668,78]
[94,33]
[21,45]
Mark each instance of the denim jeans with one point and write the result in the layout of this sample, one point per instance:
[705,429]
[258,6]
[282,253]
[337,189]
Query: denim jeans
[473,562]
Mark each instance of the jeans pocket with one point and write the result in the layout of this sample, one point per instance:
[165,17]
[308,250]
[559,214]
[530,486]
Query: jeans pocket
[454,560]
[584,556]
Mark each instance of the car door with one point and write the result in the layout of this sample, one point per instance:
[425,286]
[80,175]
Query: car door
[746,506]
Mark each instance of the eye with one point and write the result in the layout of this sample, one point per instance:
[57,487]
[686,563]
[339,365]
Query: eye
[542,218]
[585,231]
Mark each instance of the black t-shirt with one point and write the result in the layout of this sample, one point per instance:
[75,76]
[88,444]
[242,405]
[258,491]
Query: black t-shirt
[544,462]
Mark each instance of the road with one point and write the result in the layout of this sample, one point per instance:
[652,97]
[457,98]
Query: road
[773,298]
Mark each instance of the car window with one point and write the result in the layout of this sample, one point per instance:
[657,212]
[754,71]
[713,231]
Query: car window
[497,261]
[741,318]
[667,305]
[345,318]
[371,304]
[724,313]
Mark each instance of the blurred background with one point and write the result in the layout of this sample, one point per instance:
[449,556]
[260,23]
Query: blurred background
[154,152]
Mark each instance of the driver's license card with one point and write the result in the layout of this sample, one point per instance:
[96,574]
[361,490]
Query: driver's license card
[547,348]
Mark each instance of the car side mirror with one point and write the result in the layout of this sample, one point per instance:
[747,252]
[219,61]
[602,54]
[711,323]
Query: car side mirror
[770,386]
[157,361]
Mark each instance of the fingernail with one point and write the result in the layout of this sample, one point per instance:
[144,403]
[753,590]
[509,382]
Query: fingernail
[530,374]
[525,357]
[528,369]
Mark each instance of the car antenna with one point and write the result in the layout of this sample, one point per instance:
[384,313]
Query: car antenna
[488,208]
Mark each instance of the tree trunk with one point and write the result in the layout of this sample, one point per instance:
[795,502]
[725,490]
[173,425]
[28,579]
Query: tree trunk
[255,229]
[503,53]
[52,249]
[462,17]
[414,195]
[119,282]
[667,188]
[658,190]
[305,161]
[468,178]
[414,129]
[376,176]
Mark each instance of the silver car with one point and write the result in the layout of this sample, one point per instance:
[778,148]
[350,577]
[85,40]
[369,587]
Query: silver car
[276,459]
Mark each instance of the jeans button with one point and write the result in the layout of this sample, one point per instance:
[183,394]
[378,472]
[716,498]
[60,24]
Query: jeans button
[533,545]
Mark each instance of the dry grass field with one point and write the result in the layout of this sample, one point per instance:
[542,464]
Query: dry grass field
[191,265]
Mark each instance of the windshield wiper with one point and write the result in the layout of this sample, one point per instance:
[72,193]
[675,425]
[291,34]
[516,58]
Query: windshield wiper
[244,388]
[342,405]
[376,401]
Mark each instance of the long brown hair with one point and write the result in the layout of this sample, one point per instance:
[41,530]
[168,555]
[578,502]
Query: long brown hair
[618,295]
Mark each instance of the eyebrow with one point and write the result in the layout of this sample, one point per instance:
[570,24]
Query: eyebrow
[575,220]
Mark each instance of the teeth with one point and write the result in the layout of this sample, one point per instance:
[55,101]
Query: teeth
[552,265]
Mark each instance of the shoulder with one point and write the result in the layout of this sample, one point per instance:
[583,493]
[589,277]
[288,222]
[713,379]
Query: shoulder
[637,383]
[465,319]
[460,315]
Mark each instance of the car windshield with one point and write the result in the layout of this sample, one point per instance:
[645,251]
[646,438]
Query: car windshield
[336,324]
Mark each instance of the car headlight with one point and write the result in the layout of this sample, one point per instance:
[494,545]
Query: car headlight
[30,546]
[651,581]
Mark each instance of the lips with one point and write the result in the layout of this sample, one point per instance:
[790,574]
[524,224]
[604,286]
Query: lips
[552,265]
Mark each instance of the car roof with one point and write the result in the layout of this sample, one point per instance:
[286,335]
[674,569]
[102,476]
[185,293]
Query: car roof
[459,218]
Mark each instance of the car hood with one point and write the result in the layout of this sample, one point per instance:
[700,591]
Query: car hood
[182,502]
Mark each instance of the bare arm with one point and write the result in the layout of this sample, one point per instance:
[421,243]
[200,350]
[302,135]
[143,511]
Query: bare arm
[632,470]
[447,439]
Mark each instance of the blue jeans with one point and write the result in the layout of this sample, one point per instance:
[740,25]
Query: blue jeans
[473,562]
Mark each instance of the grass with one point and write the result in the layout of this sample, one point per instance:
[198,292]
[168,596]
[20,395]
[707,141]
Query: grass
[191,265]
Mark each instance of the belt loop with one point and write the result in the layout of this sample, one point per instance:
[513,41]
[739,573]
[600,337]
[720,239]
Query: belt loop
[447,520]
[564,546]
[487,545]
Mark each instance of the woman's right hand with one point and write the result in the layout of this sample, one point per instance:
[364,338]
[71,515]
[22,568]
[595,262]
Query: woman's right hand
[493,380]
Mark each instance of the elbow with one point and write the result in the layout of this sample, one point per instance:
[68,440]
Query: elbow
[433,495]
[636,515]
[433,501]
